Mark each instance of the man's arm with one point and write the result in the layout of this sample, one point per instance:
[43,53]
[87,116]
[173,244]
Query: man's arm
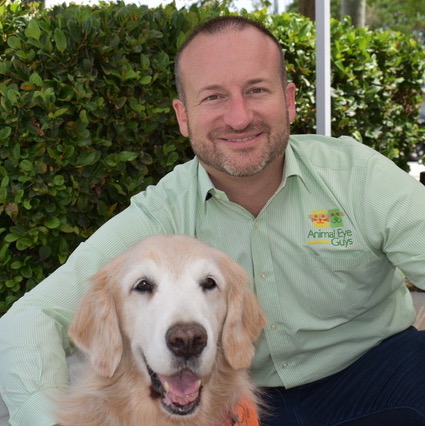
[396,224]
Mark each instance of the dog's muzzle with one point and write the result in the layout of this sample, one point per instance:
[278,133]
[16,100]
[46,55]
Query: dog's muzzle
[181,392]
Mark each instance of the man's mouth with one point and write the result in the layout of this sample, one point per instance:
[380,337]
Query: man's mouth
[180,393]
[251,132]
[249,138]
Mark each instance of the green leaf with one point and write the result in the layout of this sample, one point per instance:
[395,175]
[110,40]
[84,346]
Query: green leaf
[83,116]
[33,30]
[27,204]
[52,223]
[36,79]
[88,158]
[12,95]
[58,180]
[74,30]
[172,159]
[26,166]
[68,229]
[4,253]
[10,238]
[10,283]
[26,56]
[128,156]
[5,181]
[26,271]
[60,40]
[59,112]
[16,264]
[23,243]
[146,79]
[5,132]
[14,42]
[181,38]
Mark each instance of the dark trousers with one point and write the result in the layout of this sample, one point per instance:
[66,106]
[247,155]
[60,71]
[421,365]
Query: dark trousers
[385,387]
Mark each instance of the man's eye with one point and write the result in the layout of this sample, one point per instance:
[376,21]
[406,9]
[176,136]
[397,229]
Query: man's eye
[212,98]
[256,90]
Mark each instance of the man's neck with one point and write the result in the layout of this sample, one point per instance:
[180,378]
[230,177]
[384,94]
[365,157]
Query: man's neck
[251,192]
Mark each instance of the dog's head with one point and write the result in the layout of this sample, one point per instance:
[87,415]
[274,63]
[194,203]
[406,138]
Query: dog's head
[173,300]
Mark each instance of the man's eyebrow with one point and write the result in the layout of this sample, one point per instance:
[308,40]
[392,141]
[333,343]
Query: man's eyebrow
[248,83]
[211,87]
[257,81]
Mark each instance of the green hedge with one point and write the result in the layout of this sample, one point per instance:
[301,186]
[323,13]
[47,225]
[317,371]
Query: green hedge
[86,118]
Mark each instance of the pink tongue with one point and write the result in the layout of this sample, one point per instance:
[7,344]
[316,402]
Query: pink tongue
[183,387]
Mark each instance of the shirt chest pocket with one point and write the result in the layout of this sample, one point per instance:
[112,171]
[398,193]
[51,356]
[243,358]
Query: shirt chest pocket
[339,288]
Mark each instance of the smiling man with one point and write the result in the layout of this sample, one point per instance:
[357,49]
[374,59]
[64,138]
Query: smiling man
[235,106]
[327,228]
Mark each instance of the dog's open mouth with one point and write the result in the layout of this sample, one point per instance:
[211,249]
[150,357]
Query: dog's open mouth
[180,393]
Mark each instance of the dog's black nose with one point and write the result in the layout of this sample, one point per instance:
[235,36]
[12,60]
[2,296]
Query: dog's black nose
[186,340]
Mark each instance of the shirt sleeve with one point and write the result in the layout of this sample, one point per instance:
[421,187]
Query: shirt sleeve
[394,216]
[33,333]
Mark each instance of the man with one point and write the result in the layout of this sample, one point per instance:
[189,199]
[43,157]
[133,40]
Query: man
[324,226]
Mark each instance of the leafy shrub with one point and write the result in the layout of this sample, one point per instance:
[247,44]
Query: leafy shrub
[376,83]
[86,118]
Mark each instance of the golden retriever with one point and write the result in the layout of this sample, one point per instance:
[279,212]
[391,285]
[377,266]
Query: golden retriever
[168,329]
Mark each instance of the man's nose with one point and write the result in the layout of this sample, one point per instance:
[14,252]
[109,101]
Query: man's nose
[239,113]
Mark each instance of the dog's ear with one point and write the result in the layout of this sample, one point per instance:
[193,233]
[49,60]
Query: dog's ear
[95,328]
[244,319]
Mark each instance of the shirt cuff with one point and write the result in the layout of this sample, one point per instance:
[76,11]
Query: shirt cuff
[37,411]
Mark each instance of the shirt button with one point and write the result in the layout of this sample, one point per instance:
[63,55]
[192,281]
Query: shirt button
[273,326]
[263,276]
[256,224]
[217,196]
[284,364]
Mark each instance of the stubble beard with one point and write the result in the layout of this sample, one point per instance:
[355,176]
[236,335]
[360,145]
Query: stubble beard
[249,161]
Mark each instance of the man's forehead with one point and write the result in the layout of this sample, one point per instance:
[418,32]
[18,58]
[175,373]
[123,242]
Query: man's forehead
[225,36]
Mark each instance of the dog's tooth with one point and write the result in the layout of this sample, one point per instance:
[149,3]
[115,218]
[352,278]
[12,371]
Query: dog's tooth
[199,383]
[166,386]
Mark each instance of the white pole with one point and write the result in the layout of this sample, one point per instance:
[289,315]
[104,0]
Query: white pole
[323,68]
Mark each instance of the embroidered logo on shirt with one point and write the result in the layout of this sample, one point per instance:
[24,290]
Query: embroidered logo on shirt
[328,228]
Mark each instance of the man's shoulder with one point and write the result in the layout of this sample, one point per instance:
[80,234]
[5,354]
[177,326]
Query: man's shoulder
[320,142]
[173,188]
[181,175]
[325,151]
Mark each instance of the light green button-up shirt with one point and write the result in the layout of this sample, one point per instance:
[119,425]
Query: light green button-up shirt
[326,255]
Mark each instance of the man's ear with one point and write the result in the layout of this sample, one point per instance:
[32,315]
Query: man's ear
[181,115]
[290,101]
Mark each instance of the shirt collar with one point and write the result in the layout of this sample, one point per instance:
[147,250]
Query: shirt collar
[291,166]
[207,189]
[205,186]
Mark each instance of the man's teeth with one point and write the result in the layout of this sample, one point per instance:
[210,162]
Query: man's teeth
[242,139]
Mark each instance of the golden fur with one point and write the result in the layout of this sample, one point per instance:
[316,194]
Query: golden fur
[121,325]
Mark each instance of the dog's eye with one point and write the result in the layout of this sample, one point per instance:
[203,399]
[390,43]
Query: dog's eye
[208,284]
[144,286]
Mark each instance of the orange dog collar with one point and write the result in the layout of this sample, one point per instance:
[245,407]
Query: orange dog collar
[245,414]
